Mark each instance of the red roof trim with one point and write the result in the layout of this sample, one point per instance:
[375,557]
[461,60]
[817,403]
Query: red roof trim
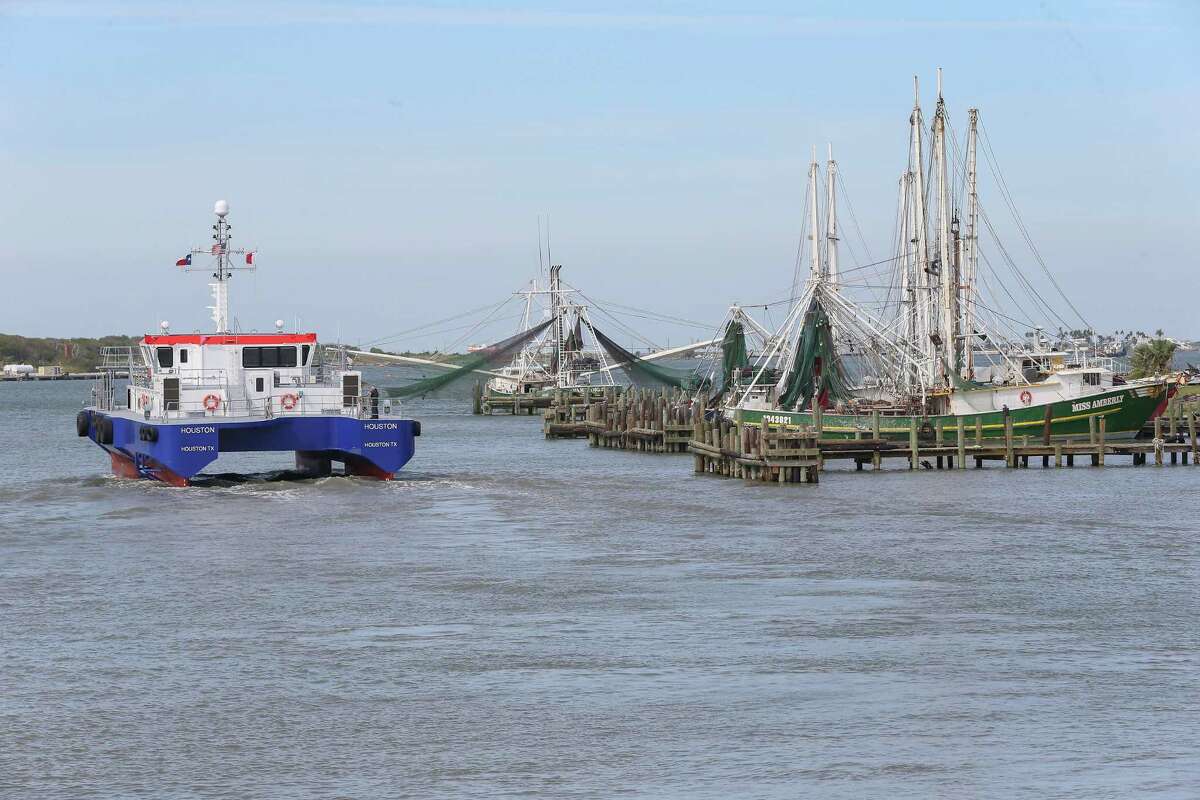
[230,338]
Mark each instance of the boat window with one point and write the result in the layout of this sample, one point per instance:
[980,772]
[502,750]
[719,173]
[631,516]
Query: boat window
[183,355]
[258,384]
[304,353]
[269,356]
[1091,378]
[166,357]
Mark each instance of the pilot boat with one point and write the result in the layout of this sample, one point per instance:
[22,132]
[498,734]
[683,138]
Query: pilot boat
[192,396]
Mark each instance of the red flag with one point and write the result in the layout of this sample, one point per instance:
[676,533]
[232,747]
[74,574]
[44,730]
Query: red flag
[250,258]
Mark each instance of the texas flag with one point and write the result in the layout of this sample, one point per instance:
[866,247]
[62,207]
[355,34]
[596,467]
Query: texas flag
[250,257]
[186,261]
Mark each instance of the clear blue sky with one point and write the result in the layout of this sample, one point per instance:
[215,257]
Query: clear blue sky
[390,160]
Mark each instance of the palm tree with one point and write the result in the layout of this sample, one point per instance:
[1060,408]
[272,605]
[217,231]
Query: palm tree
[1151,358]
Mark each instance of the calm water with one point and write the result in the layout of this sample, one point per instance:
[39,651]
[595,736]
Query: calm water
[522,618]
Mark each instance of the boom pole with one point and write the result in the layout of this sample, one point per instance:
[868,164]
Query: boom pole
[948,311]
[971,247]
[815,226]
[919,232]
[831,232]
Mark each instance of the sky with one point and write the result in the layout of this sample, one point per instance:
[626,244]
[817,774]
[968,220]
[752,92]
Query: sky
[389,162]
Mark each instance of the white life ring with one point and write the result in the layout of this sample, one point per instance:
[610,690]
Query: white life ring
[211,402]
[144,401]
[1026,397]
[288,401]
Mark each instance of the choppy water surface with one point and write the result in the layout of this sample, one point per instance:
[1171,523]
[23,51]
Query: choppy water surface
[518,617]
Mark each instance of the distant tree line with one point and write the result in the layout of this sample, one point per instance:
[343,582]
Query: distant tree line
[78,354]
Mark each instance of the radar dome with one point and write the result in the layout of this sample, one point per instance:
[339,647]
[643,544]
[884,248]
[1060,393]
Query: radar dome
[279,324]
[166,326]
[221,208]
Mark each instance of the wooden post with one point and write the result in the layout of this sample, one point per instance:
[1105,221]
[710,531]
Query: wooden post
[1046,425]
[1158,441]
[914,462]
[477,398]
[1009,459]
[876,459]
[1102,426]
[1091,429]
[1058,455]
[1192,434]
[816,415]
[979,431]
[960,433]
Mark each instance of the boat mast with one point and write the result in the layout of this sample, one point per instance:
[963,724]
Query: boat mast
[220,289]
[557,310]
[970,246]
[815,229]
[908,311]
[919,233]
[223,269]
[831,233]
[948,312]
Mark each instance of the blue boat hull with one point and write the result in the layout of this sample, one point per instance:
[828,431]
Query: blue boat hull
[175,451]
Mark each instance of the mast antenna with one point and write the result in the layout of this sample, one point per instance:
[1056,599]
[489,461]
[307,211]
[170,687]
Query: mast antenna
[224,267]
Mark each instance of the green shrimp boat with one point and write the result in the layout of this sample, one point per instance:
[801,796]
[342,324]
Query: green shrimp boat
[1125,410]
[927,347]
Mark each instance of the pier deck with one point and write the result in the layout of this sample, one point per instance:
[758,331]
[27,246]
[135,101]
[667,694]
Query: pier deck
[669,422]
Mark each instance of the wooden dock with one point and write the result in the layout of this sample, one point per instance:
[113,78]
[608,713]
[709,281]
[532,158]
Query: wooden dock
[671,422]
[625,418]
[772,453]
[486,402]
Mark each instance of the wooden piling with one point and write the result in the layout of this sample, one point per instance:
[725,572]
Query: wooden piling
[915,462]
[1009,458]
[961,443]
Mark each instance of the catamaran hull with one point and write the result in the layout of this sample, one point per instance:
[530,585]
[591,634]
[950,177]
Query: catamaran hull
[1125,410]
[176,451]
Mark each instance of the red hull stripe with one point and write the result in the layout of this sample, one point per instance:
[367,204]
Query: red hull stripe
[365,469]
[232,338]
[124,467]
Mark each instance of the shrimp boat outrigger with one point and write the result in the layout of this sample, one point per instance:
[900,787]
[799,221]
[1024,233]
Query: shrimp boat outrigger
[938,353]
[193,396]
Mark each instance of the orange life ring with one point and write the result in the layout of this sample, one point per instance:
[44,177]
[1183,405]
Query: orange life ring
[211,402]
[1026,397]
[288,401]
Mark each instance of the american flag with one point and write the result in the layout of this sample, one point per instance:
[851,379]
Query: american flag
[218,249]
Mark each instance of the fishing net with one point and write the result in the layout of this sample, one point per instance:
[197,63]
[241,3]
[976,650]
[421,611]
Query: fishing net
[489,357]
[642,372]
[816,370]
[733,353]
[959,382]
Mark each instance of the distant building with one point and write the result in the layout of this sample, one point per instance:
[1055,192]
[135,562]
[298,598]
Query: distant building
[50,371]
[17,370]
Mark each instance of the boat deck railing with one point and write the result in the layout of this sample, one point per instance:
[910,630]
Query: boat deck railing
[358,407]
